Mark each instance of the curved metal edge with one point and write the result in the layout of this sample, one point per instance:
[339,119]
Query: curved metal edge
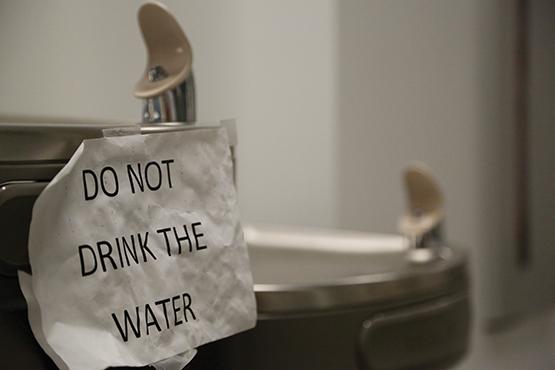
[415,283]
[33,142]
[438,336]
[9,191]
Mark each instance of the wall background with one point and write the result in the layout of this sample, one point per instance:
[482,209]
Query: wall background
[332,100]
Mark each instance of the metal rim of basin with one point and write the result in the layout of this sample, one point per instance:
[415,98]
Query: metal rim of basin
[418,282]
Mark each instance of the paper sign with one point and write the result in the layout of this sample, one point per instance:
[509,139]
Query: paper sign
[137,253]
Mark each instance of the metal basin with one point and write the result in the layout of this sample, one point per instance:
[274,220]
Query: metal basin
[295,255]
[331,299]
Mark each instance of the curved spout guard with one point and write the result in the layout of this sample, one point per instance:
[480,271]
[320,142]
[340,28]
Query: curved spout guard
[167,85]
[169,52]
[424,215]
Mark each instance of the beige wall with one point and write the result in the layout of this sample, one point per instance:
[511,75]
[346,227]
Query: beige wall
[270,65]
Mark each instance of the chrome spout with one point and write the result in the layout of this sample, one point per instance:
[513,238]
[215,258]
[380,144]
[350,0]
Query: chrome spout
[175,105]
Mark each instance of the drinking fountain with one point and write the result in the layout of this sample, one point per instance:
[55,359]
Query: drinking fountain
[327,299]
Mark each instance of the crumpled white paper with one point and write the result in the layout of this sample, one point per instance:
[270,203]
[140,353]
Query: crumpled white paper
[190,268]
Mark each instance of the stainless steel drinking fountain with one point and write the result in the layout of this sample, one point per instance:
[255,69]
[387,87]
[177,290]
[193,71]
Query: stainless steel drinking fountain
[327,299]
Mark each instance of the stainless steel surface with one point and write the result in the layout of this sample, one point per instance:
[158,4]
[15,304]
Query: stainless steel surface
[433,238]
[302,269]
[16,189]
[298,317]
[430,335]
[32,141]
[175,105]
[15,197]
[332,340]
[406,283]
[156,73]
